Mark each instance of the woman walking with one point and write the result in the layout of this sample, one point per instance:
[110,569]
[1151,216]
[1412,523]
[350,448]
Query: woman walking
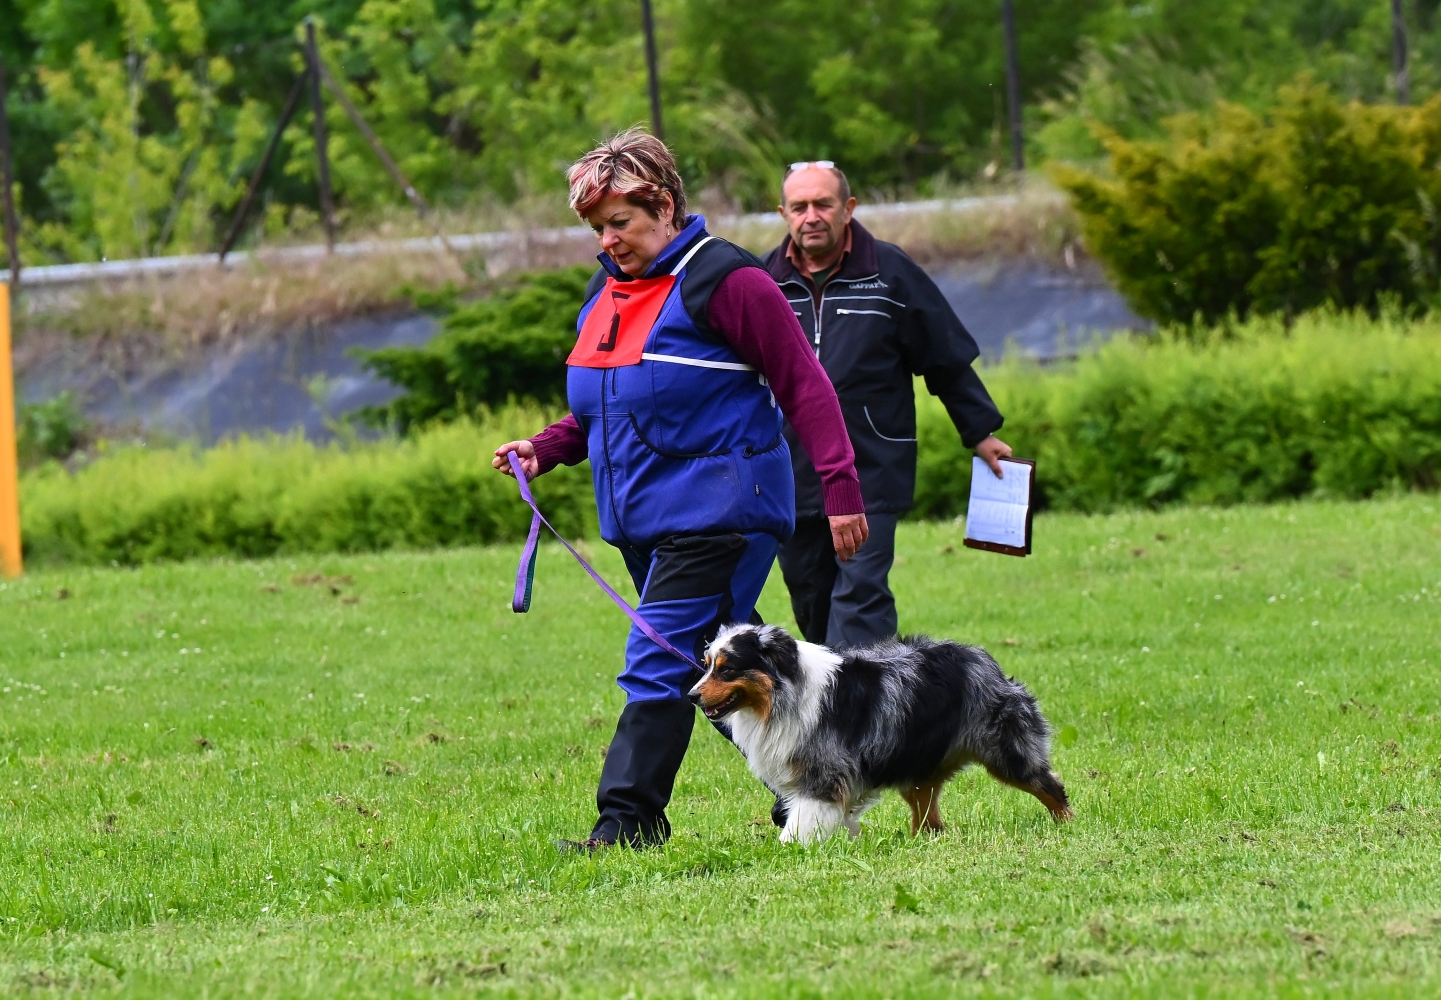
[686,357]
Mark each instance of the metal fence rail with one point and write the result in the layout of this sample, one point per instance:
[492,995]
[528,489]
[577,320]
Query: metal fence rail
[56,275]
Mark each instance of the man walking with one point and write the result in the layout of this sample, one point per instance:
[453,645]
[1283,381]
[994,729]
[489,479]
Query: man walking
[875,319]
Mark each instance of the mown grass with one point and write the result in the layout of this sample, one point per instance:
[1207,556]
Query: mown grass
[219,781]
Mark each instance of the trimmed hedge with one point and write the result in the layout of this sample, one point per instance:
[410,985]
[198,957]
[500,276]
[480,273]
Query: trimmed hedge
[252,498]
[1337,405]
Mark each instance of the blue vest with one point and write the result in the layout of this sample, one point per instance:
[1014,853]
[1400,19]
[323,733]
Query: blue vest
[684,437]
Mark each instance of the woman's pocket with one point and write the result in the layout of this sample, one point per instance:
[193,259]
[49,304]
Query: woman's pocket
[659,493]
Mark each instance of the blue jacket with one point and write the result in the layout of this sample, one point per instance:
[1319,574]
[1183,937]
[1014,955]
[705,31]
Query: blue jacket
[684,437]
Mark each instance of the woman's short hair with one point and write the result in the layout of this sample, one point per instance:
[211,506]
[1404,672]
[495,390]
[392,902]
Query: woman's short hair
[635,165]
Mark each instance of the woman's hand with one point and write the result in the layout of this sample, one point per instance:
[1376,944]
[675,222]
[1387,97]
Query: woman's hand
[528,461]
[848,533]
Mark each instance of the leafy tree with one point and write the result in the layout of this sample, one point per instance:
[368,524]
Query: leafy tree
[1140,64]
[43,37]
[504,105]
[114,101]
[400,62]
[896,90]
[129,191]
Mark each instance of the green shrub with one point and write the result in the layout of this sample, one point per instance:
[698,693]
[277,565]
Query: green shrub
[512,344]
[1339,405]
[54,429]
[253,497]
[1323,204]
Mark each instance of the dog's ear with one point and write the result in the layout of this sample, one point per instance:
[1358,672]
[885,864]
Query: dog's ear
[779,650]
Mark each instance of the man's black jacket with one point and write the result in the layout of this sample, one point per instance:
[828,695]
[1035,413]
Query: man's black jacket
[880,321]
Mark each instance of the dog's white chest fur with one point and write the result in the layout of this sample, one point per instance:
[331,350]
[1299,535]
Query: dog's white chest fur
[771,745]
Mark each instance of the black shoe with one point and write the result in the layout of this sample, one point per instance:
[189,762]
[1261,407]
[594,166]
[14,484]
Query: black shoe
[779,813]
[590,846]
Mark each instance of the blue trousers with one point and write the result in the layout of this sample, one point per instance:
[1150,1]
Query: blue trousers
[690,586]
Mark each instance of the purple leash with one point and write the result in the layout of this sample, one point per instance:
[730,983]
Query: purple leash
[525,574]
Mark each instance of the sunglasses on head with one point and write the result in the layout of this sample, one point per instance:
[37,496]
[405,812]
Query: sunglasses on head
[803,164]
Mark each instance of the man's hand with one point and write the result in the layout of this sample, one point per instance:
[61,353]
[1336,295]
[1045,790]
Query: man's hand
[848,533]
[991,451]
[528,461]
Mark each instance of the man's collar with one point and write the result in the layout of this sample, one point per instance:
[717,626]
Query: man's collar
[667,259]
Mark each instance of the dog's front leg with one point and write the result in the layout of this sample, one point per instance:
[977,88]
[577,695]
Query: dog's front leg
[811,821]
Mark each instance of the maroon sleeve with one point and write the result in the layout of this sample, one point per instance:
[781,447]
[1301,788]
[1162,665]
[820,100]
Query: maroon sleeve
[751,312]
[562,443]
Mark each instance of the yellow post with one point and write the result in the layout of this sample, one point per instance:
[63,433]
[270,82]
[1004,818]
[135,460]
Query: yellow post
[10,563]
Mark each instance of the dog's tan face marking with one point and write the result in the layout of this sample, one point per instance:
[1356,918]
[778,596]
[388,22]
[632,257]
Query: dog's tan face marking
[724,691]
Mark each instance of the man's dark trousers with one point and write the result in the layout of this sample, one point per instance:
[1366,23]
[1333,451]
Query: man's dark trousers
[840,604]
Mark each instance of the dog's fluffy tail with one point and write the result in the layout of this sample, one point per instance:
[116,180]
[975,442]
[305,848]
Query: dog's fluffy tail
[1018,750]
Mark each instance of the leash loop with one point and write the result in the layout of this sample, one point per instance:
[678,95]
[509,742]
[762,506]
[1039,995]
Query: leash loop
[525,573]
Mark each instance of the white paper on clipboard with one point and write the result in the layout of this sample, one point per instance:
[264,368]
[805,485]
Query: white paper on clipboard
[999,508]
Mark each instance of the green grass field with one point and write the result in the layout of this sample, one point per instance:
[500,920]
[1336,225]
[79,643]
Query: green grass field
[238,779]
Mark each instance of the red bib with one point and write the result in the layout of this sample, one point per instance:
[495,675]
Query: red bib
[616,329]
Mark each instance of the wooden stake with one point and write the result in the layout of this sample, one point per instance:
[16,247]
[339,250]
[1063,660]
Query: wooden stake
[263,165]
[648,22]
[322,152]
[11,562]
[7,179]
[1399,65]
[1013,85]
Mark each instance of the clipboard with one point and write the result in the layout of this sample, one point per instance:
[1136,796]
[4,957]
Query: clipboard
[983,498]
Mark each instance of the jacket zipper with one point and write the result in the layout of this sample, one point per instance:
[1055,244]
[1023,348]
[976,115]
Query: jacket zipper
[820,315]
[821,308]
[810,297]
[605,436]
